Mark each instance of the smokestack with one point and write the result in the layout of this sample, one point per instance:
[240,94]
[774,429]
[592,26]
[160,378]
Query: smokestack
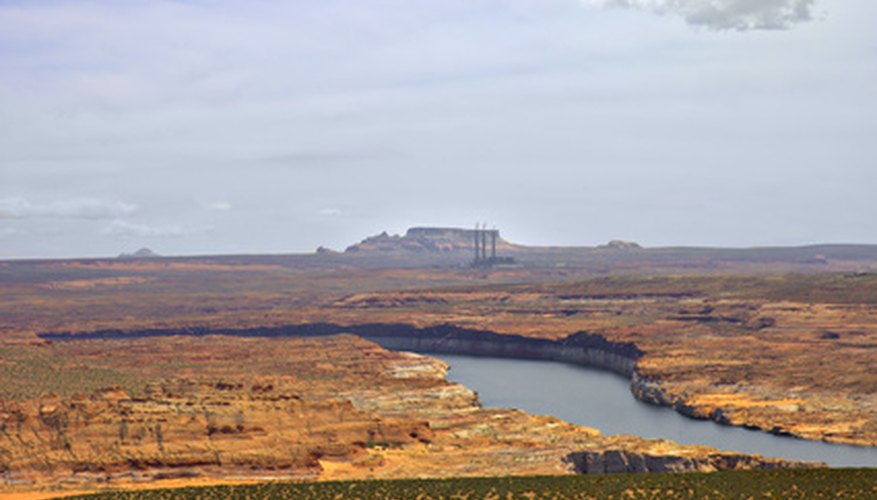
[477,237]
[484,244]
[493,235]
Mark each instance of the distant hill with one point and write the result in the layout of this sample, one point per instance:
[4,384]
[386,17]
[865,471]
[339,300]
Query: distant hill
[621,245]
[143,253]
[321,250]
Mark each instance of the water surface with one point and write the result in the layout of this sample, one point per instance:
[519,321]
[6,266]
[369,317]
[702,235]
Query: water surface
[602,400]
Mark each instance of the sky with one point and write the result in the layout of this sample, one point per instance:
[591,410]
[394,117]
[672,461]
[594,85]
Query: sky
[219,126]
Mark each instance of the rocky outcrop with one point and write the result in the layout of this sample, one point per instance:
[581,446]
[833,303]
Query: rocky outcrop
[621,245]
[651,392]
[321,250]
[143,253]
[620,461]
[581,348]
[189,428]
[423,240]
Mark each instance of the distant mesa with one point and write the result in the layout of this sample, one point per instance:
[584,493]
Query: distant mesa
[422,240]
[143,253]
[485,245]
[621,245]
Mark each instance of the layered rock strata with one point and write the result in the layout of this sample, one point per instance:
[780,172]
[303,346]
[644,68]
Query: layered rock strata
[583,348]
[294,408]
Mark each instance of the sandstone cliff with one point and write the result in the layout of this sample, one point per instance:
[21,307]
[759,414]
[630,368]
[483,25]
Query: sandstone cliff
[328,408]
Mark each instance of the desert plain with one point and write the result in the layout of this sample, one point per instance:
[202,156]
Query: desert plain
[144,372]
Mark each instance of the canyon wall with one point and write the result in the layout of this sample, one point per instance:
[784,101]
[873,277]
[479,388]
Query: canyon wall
[621,461]
[583,348]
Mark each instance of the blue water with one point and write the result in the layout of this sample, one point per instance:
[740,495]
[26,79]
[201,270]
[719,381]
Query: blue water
[602,400]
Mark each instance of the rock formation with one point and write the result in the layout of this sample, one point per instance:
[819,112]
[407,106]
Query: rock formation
[321,250]
[329,408]
[619,460]
[621,245]
[143,253]
[424,240]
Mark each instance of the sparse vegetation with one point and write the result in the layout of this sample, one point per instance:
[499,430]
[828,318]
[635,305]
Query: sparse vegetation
[787,484]
[29,373]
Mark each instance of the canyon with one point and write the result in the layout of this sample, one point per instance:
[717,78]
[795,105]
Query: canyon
[282,356]
[247,409]
[581,348]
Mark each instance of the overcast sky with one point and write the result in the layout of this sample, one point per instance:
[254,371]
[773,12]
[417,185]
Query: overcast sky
[218,126]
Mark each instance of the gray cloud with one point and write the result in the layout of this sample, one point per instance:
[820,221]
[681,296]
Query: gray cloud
[559,123]
[726,14]
[125,228]
[77,208]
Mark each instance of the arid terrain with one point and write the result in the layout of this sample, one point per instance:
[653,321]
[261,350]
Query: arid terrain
[237,368]
[293,408]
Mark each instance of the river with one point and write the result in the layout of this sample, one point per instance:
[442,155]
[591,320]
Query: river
[602,400]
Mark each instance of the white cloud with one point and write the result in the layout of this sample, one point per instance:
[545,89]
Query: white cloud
[125,228]
[219,206]
[330,211]
[76,208]
[726,14]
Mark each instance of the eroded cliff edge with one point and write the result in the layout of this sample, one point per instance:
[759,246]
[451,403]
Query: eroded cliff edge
[583,348]
[221,408]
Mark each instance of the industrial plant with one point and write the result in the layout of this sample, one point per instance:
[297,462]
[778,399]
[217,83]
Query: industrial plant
[482,235]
